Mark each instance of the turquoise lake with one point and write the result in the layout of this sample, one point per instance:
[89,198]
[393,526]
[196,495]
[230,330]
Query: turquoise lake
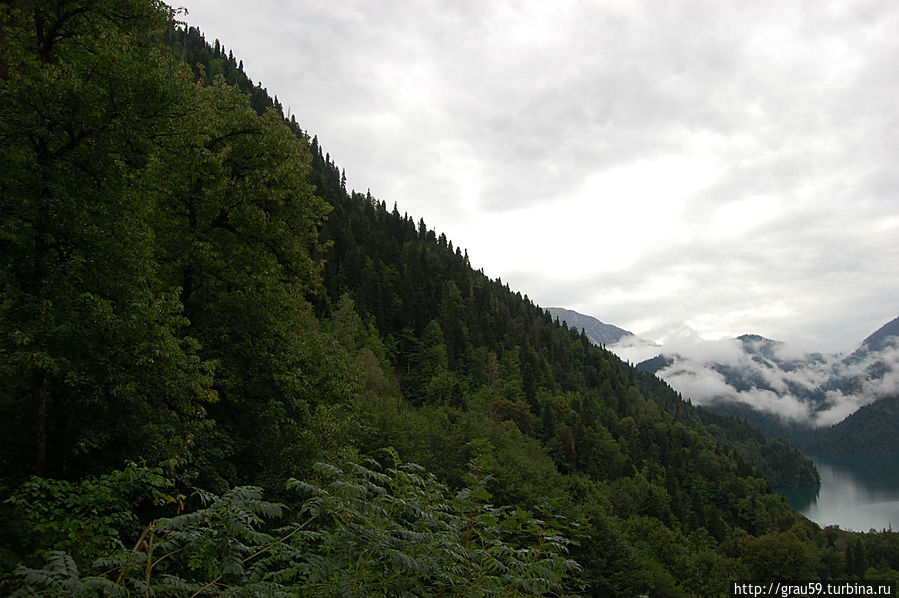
[857,492]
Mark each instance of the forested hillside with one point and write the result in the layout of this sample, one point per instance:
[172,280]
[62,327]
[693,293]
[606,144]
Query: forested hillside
[870,430]
[221,371]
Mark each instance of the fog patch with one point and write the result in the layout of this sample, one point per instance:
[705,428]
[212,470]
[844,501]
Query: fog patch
[811,389]
[706,386]
[635,349]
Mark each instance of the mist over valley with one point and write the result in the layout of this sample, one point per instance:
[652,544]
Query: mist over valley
[784,390]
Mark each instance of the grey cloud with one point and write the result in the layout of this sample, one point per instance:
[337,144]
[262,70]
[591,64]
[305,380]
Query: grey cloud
[817,390]
[469,110]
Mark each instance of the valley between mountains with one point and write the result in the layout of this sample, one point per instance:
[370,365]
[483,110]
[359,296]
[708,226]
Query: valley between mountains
[820,402]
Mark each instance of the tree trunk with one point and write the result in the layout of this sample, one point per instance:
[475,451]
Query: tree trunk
[39,277]
[39,422]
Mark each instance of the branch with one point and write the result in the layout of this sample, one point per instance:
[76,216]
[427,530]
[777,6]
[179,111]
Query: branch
[130,560]
[255,554]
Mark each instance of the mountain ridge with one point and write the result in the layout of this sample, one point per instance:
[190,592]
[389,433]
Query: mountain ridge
[813,388]
[825,385]
[597,331]
[878,340]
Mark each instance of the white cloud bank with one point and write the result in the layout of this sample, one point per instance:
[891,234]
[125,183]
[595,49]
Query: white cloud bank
[817,389]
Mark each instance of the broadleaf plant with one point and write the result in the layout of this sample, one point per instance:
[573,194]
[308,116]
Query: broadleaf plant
[359,528]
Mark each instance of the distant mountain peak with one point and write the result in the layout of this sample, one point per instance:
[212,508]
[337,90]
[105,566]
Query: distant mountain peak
[597,331]
[755,338]
[762,347]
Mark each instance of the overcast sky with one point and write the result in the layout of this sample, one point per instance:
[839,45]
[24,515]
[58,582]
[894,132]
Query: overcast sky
[705,168]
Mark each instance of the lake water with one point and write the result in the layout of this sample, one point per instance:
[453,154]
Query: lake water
[857,492]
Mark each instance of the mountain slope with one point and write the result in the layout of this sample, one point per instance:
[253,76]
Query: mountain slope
[475,361]
[873,428]
[598,332]
[883,338]
[480,370]
[786,393]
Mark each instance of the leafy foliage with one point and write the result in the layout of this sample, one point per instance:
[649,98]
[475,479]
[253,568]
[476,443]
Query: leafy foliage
[362,530]
[96,360]
[88,516]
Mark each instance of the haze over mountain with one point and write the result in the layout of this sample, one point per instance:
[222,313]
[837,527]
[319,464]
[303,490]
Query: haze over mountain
[781,387]
[785,391]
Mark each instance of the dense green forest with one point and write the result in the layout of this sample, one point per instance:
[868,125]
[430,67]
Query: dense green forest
[871,429]
[223,372]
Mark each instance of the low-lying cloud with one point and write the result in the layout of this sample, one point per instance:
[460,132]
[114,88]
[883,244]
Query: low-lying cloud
[810,389]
